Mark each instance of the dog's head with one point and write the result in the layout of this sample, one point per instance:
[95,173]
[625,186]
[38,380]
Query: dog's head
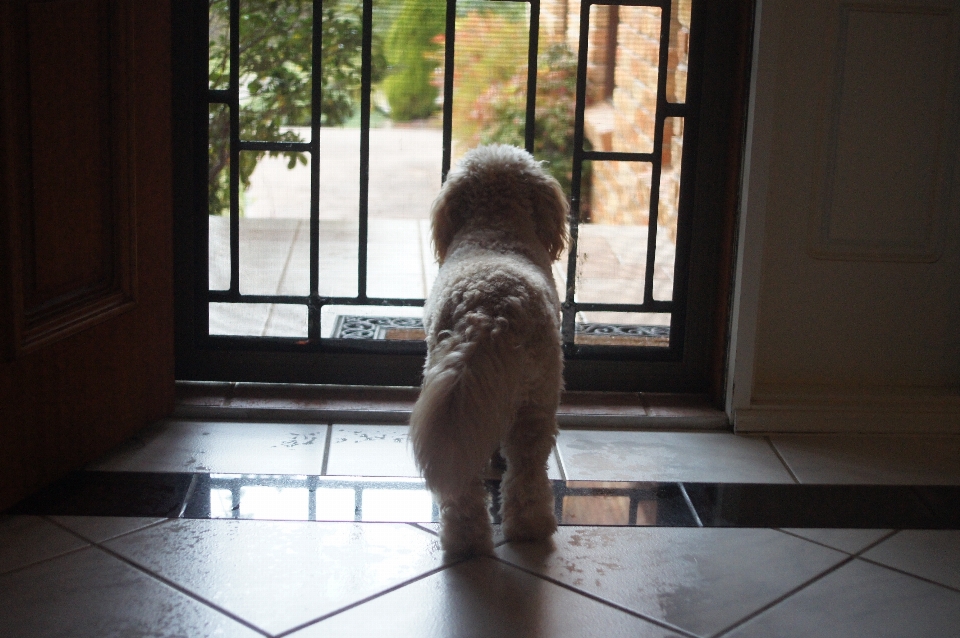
[500,184]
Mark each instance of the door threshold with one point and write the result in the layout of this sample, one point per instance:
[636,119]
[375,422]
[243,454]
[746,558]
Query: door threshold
[273,402]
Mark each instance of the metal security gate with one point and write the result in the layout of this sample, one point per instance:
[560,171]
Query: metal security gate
[607,93]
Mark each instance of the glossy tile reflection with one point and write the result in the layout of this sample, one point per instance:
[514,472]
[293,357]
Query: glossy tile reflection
[666,574]
[90,594]
[199,529]
[622,503]
[277,574]
[861,599]
[302,497]
[484,597]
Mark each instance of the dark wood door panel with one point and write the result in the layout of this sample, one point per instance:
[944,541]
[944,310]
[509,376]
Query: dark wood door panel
[73,242]
[86,267]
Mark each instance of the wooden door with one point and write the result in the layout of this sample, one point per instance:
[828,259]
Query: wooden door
[85,232]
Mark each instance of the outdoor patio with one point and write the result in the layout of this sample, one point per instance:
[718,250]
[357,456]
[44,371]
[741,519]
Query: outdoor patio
[405,165]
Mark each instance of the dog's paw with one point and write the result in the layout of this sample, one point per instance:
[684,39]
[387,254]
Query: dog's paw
[460,545]
[529,528]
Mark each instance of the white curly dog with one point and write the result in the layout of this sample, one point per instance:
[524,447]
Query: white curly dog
[494,365]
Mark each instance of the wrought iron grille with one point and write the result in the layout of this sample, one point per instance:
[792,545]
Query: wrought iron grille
[674,117]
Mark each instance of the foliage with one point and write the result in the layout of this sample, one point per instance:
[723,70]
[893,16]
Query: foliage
[482,68]
[410,51]
[498,113]
[275,79]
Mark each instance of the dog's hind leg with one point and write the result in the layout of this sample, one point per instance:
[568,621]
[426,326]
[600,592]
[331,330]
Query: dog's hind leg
[528,504]
[465,523]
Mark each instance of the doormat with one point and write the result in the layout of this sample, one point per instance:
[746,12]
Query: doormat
[411,329]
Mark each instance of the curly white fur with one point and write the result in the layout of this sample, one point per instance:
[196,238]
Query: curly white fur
[494,365]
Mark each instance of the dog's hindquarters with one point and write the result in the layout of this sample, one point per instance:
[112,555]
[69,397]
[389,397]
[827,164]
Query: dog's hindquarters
[471,390]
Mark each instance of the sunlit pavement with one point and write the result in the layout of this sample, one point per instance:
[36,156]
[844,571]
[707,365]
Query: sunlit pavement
[405,164]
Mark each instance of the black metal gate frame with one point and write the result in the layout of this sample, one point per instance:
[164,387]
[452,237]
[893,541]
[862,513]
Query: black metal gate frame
[314,301]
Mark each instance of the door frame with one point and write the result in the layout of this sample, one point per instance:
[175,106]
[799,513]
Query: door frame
[725,33]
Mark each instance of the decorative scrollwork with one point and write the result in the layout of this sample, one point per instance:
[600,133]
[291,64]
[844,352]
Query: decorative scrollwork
[353,327]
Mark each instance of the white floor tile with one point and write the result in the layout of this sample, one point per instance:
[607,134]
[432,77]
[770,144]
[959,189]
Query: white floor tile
[933,554]
[593,455]
[907,460]
[483,597]
[100,528]
[234,448]
[382,450]
[279,575]
[701,580]
[861,600]
[846,540]
[371,450]
[28,539]
[90,594]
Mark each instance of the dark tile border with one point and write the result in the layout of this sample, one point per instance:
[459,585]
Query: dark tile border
[186,495]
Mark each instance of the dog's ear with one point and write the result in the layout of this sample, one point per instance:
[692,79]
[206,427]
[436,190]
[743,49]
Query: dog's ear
[551,209]
[442,222]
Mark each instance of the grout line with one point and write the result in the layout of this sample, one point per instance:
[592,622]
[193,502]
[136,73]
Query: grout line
[50,558]
[93,542]
[362,601]
[876,542]
[786,465]
[855,556]
[660,623]
[906,573]
[776,601]
[810,540]
[559,462]
[326,450]
[183,590]
[693,510]
[422,528]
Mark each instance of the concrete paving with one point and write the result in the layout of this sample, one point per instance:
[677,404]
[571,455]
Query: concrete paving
[405,166]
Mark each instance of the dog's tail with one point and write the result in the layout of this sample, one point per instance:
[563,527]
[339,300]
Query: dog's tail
[469,397]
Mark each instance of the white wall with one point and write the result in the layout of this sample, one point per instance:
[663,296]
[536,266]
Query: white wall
[847,307]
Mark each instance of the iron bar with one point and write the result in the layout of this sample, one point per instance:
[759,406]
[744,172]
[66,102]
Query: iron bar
[225,296]
[675,109]
[450,34]
[217,96]
[616,156]
[530,123]
[314,301]
[569,317]
[316,99]
[366,65]
[234,90]
[277,147]
[658,154]
[647,306]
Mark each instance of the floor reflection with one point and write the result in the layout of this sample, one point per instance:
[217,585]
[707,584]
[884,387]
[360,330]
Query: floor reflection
[407,500]
[311,498]
[319,498]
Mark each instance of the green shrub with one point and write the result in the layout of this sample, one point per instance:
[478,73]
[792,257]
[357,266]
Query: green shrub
[275,57]
[411,52]
[498,114]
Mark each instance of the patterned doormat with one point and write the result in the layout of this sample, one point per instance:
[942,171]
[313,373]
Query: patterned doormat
[411,329]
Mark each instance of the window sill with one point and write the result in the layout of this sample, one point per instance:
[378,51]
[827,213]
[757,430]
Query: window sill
[357,404]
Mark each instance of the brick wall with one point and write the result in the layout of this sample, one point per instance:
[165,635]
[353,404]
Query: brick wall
[622,78]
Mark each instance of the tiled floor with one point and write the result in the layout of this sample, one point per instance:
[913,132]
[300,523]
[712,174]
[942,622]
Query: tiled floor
[203,576]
